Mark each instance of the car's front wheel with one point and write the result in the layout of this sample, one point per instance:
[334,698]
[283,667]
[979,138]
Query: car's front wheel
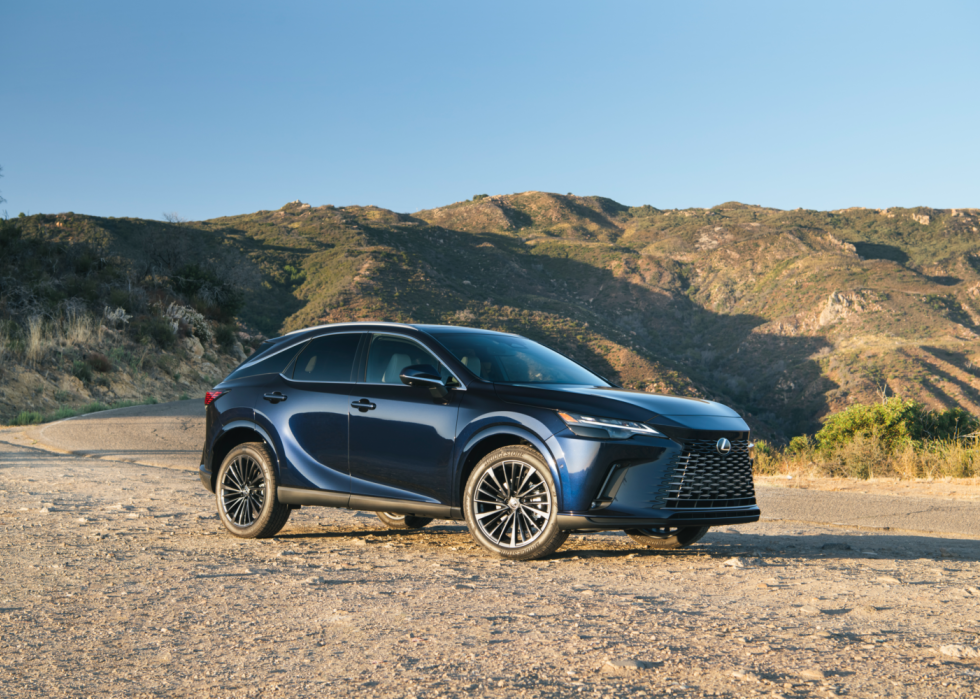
[667,537]
[246,493]
[393,520]
[511,506]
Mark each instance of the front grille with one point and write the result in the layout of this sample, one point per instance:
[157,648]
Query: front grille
[704,478]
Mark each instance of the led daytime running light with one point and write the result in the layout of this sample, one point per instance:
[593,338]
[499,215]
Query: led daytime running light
[607,423]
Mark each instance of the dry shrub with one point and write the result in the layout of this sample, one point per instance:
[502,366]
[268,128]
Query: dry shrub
[4,344]
[79,328]
[869,457]
[99,362]
[865,456]
[906,462]
[37,341]
[944,459]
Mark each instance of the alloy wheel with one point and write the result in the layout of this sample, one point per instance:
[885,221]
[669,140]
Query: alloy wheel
[243,491]
[512,504]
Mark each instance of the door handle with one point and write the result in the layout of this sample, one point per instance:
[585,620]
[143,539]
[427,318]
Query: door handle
[363,405]
[274,397]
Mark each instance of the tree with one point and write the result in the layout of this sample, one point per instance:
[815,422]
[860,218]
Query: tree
[2,200]
[175,218]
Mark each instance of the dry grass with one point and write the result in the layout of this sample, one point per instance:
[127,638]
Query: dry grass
[74,328]
[4,344]
[866,458]
[79,328]
[36,347]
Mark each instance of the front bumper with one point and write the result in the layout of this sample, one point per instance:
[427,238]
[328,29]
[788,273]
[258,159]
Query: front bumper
[677,480]
[658,518]
[205,475]
[204,470]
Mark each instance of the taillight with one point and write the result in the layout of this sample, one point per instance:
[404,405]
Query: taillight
[211,396]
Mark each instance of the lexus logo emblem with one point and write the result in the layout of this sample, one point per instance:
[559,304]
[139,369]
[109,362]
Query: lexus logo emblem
[723,446]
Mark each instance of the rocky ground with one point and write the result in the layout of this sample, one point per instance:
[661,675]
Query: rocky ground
[118,580]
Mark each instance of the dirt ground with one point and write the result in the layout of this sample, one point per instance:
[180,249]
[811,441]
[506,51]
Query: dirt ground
[118,580]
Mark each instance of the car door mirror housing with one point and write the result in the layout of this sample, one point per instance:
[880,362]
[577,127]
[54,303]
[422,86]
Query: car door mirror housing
[422,376]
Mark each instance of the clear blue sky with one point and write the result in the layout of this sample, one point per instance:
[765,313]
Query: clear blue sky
[211,109]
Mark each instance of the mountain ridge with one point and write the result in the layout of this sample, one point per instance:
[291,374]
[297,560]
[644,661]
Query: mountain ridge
[785,315]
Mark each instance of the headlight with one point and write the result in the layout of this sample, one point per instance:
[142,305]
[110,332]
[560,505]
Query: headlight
[605,427]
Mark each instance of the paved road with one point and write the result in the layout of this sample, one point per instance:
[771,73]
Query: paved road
[171,435]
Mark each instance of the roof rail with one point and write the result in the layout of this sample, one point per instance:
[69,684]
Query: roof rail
[360,322]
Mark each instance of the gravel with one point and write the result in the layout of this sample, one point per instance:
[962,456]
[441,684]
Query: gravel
[124,589]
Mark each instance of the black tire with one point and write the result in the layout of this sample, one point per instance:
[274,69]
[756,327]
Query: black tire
[394,520]
[667,537]
[246,493]
[517,518]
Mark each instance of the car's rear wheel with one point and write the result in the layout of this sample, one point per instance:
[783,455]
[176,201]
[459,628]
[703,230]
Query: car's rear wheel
[393,520]
[511,505]
[246,493]
[667,537]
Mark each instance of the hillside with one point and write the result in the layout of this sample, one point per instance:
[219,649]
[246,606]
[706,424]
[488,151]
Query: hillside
[786,315]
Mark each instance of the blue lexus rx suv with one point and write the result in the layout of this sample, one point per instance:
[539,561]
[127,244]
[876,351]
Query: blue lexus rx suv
[423,422]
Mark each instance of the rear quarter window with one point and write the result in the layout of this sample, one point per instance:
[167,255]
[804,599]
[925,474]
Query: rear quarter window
[273,364]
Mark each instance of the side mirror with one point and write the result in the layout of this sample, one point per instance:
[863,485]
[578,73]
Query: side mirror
[422,376]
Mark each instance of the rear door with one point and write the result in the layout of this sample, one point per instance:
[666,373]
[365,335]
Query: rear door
[401,437]
[309,407]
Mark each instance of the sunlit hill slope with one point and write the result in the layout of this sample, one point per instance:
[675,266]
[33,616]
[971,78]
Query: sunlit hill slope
[785,315]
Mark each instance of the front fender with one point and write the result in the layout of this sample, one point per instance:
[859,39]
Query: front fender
[519,426]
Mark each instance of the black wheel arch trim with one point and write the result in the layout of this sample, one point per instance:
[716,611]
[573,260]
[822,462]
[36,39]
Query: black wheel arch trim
[224,434]
[511,430]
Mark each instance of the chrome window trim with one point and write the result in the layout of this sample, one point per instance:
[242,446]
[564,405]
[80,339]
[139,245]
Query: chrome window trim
[459,387]
[314,339]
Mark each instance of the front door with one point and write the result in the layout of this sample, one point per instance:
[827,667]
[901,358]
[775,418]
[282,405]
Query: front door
[401,437]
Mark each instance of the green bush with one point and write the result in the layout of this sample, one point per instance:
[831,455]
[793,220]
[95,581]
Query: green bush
[208,292]
[803,444]
[28,418]
[36,418]
[893,423]
[119,298]
[169,364]
[121,356]
[226,334]
[764,448]
[81,370]
[154,329]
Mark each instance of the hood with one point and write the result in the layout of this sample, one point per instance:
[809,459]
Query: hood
[618,403]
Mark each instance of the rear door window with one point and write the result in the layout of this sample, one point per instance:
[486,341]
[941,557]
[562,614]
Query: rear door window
[327,359]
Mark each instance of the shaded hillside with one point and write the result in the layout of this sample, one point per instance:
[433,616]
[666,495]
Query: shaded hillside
[785,315]
[103,311]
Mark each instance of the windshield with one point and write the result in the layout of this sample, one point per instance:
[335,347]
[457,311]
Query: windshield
[509,359]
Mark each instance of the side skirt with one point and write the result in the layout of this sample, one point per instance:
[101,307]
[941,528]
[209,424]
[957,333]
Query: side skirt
[302,496]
